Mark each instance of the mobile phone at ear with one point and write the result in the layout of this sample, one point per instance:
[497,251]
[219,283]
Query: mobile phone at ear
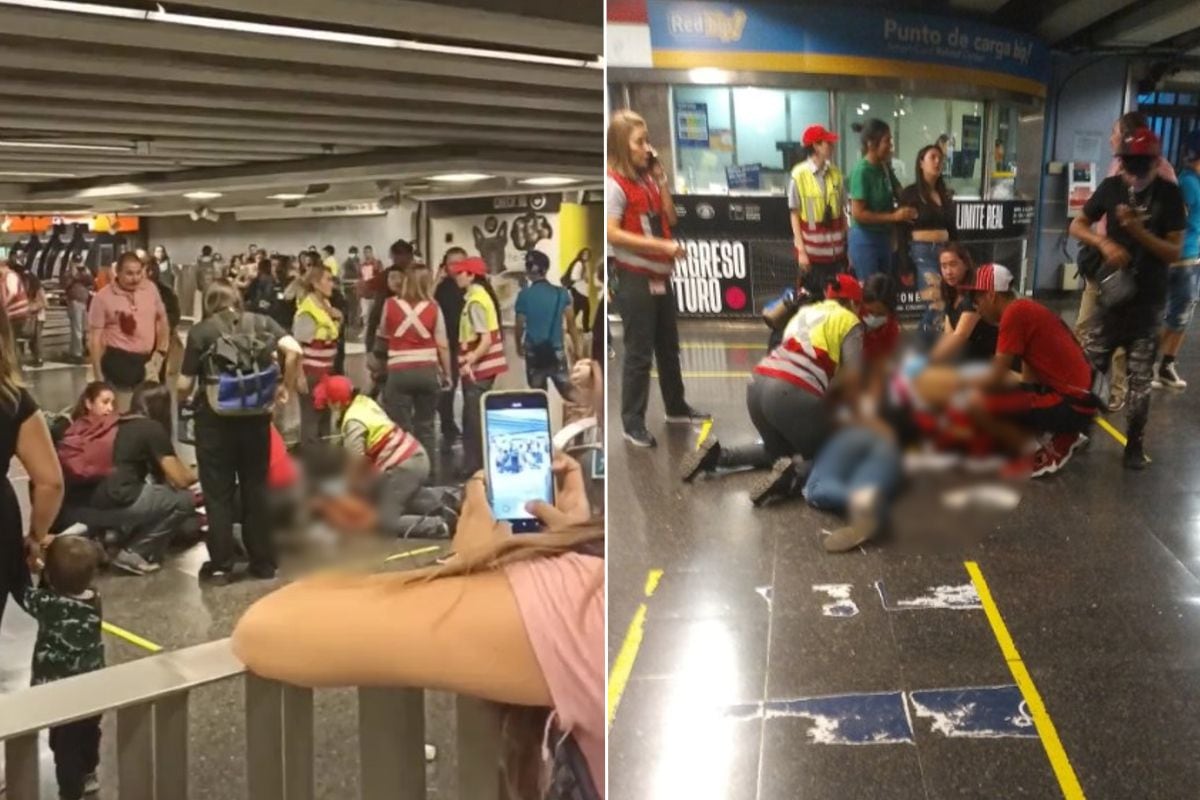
[518,455]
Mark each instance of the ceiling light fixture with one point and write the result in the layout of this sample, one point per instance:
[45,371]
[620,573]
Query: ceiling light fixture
[707,75]
[202,195]
[460,177]
[104,148]
[548,180]
[287,196]
[113,190]
[265,29]
[18,173]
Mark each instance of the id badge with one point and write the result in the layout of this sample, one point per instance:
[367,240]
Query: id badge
[658,287]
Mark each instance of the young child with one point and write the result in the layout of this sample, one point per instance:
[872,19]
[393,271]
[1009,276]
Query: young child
[67,610]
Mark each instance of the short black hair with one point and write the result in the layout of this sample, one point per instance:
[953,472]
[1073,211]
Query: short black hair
[71,563]
[328,249]
[206,250]
[353,248]
[880,288]
[401,247]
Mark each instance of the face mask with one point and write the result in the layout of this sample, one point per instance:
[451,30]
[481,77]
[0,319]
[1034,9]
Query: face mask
[874,321]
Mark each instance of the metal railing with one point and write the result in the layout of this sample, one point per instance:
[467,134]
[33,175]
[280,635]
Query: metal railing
[150,698]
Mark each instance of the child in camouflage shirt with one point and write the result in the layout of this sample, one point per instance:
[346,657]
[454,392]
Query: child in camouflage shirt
[67,610]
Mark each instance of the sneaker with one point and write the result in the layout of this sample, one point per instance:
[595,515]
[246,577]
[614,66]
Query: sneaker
[864,524]
[640,438]
[689,416]
[778,483]
[1115,403]
[703,459]
[1168,377]
[1031,465]
[217,576]
[1135,457]
[91,783]
[134,564]
[1063,446]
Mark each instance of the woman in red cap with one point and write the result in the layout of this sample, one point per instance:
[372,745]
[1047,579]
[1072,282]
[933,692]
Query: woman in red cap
[480,352]
[316,327]
[817,199]
[788,398]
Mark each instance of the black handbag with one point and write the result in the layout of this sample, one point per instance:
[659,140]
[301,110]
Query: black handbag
[1089,261]
[1117,287]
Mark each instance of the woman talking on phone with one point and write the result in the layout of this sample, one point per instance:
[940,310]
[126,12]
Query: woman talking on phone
[640,214]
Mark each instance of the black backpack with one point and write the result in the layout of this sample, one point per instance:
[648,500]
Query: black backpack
[241,375]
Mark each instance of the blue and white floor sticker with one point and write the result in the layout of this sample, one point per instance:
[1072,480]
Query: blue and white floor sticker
[839,594]
[983,712]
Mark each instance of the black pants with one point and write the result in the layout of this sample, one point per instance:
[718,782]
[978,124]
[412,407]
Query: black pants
[450,428]
[14,572]
[651,335]
[473,392]
[582,305]
[233,453]
[789,421]
[76,747]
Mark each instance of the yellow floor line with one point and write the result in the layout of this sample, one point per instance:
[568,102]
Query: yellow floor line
[132,638]
[1037,709]
[420,551]
[1113,432]
[705,429]
[618,676]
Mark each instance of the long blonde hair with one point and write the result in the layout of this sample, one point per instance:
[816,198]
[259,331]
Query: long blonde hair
[10,366]
[308,284]
[620,129]
[417,286]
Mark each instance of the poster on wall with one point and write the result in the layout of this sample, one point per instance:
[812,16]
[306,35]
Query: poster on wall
[712,278]
[691,124]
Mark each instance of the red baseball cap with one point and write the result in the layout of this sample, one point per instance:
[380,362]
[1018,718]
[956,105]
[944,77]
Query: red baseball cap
[1141,142]
[817,133]
[470,266]
[991,278]
[333,389]
[844,287]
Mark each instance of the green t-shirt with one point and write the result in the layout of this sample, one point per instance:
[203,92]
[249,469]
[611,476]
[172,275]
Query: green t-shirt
[871,184]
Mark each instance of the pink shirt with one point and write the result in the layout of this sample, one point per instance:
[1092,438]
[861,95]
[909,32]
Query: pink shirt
[142,310]
[562,604]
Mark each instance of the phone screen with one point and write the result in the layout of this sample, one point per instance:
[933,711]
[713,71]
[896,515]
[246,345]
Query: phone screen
[518,447]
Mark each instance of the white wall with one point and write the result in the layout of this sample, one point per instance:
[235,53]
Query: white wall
[184,238]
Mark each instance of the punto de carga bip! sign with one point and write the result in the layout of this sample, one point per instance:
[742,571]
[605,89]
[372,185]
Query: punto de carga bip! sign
[841,40]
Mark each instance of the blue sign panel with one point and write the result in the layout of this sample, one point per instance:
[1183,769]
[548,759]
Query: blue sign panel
[833,39]
[981,712]
[744,176]
[691,124]
[841,719]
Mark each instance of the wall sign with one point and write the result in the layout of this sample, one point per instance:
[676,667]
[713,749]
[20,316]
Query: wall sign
[744,176]
[992,219]
[713,278]
[691,124]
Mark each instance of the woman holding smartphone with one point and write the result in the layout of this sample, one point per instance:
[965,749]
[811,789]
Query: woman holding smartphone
[640,215]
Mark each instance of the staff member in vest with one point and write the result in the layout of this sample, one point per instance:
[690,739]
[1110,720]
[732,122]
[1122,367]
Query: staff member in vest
[412,342]
[316,327]
[233,451]
[128,330]
[788,396]
[386,460]
[873,210]
[480,353]
[817,199]
[640,214]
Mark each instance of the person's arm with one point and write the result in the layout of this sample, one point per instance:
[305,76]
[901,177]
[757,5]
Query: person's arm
[443,346]
[35,451]
[178,474]
[798,242]
[953,341]
[865,216]
[1164,248]
[162,328]
[668,203]
[1000,373]
[1113,254]
[519,333]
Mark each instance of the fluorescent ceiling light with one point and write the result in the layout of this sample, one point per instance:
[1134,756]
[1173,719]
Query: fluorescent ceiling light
[18,174]
[549,180]
[105,148]
[294,32]
[287,196]
[708,75]
[114,190]
[460,177]
[202,195]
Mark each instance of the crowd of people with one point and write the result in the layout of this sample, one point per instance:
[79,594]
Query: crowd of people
[990,377]
[108,486]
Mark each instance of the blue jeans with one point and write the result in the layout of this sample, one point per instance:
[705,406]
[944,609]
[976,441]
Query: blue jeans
[558,373]
[855,458]
[924,256]
[870,252]
[1183,287]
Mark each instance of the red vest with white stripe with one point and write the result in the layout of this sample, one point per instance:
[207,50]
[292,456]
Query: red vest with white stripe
[317,355]
[643,216]
[822,223]
[812,347]
[410,333]
[388,445]
[493,362]
[13,295]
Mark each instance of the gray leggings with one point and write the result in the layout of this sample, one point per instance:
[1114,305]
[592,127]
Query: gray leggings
[150,521]
[790,421]
[410,398]
[404,501]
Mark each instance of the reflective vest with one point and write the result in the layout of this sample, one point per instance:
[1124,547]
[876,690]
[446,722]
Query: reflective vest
[493,362]
[812,347]
[388,445]
[643,216]
[822,218]
[410,333]
[317,355]
[13,295]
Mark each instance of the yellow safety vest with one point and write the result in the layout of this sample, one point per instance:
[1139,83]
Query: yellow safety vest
[317,356]
[493,362]
[811,351]
[817,196]
[387,444]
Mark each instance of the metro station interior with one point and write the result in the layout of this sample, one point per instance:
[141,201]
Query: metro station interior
[231,125]
[1038,641]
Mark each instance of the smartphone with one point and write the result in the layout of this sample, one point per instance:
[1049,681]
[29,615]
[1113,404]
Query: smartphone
[518,455]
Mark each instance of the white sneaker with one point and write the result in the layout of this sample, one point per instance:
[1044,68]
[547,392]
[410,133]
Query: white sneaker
[1169,378]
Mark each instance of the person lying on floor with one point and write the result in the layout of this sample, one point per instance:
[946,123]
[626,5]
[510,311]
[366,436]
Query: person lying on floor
[387,464]
[796,389]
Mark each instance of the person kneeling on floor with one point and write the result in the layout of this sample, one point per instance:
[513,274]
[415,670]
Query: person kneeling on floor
[388,463]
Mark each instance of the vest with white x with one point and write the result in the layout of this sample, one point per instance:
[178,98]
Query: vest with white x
[410,331]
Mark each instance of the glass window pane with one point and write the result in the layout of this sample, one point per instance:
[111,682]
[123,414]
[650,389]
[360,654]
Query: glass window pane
[918,121]
[760,120]
[859,107]
[701,168]
[804,109]
[967,154]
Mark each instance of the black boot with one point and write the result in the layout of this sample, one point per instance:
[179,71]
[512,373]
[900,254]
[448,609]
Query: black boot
[1135,454]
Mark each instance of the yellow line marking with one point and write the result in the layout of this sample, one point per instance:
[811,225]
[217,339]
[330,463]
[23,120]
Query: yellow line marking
[420,551]
[705,429]
[132,638]
[1113,432]
[1037,709]
[618,677]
